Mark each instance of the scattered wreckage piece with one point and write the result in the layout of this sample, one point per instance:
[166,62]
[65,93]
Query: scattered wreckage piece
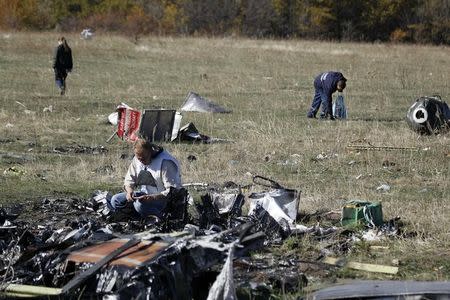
[171,274]
[209,214]
[429,115]
[220,209]
[128,120]
[223,287]
[196,103]
[81,278]
[360,266]
[227,202]
[80,149]
[272,212]
[160,124]
[267,182]
[175,214]
[356,212]
[86,34]
[113,118]
[280,203]
[275,231]
[136,255]
[258,276]
[25,291]
[195,184]
[224,208]
[156,125]
[189,133]
[390,289]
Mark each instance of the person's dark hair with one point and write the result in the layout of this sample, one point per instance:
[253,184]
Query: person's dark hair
[64,43]
[146,145]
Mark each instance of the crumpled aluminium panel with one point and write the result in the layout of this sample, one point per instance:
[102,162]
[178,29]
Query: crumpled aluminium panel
[195,102]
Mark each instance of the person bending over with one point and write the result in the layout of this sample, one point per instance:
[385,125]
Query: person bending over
[325,85]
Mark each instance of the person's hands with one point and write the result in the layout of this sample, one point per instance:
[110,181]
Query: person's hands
[130,197]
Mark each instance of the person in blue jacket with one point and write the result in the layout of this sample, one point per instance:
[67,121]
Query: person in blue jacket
[326,84]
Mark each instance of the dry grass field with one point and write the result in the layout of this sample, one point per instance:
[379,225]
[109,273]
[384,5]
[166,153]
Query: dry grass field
[268,85]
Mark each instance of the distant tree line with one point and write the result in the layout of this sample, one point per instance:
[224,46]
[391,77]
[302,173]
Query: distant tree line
[422,21]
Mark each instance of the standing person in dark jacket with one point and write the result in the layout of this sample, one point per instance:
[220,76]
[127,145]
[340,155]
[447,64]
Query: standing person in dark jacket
[326,84]
[62,63]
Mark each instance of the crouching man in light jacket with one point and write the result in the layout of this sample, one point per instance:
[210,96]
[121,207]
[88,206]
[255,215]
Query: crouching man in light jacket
[151,175]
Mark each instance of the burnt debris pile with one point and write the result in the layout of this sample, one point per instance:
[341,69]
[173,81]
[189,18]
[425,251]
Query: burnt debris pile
[70,246]
[210,243]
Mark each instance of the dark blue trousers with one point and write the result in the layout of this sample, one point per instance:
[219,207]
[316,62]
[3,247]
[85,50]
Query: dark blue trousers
[155,207]
[320,98]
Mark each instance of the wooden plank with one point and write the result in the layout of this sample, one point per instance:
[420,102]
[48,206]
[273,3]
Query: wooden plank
[372,268]
[361,266]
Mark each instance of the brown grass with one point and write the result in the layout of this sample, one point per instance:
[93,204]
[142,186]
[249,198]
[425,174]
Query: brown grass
[268,84]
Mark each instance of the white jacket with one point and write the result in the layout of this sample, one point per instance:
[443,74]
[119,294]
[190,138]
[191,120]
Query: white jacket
[162,173]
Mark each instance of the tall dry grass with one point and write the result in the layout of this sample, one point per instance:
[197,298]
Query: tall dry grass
[268,85]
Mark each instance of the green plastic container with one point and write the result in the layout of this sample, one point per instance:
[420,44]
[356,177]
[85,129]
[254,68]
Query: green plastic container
[358,212]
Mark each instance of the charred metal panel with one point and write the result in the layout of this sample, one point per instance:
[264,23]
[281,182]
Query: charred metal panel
[134,257]
[159,124]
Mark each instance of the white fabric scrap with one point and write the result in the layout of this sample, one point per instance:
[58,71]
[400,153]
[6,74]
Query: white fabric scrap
[223,287]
